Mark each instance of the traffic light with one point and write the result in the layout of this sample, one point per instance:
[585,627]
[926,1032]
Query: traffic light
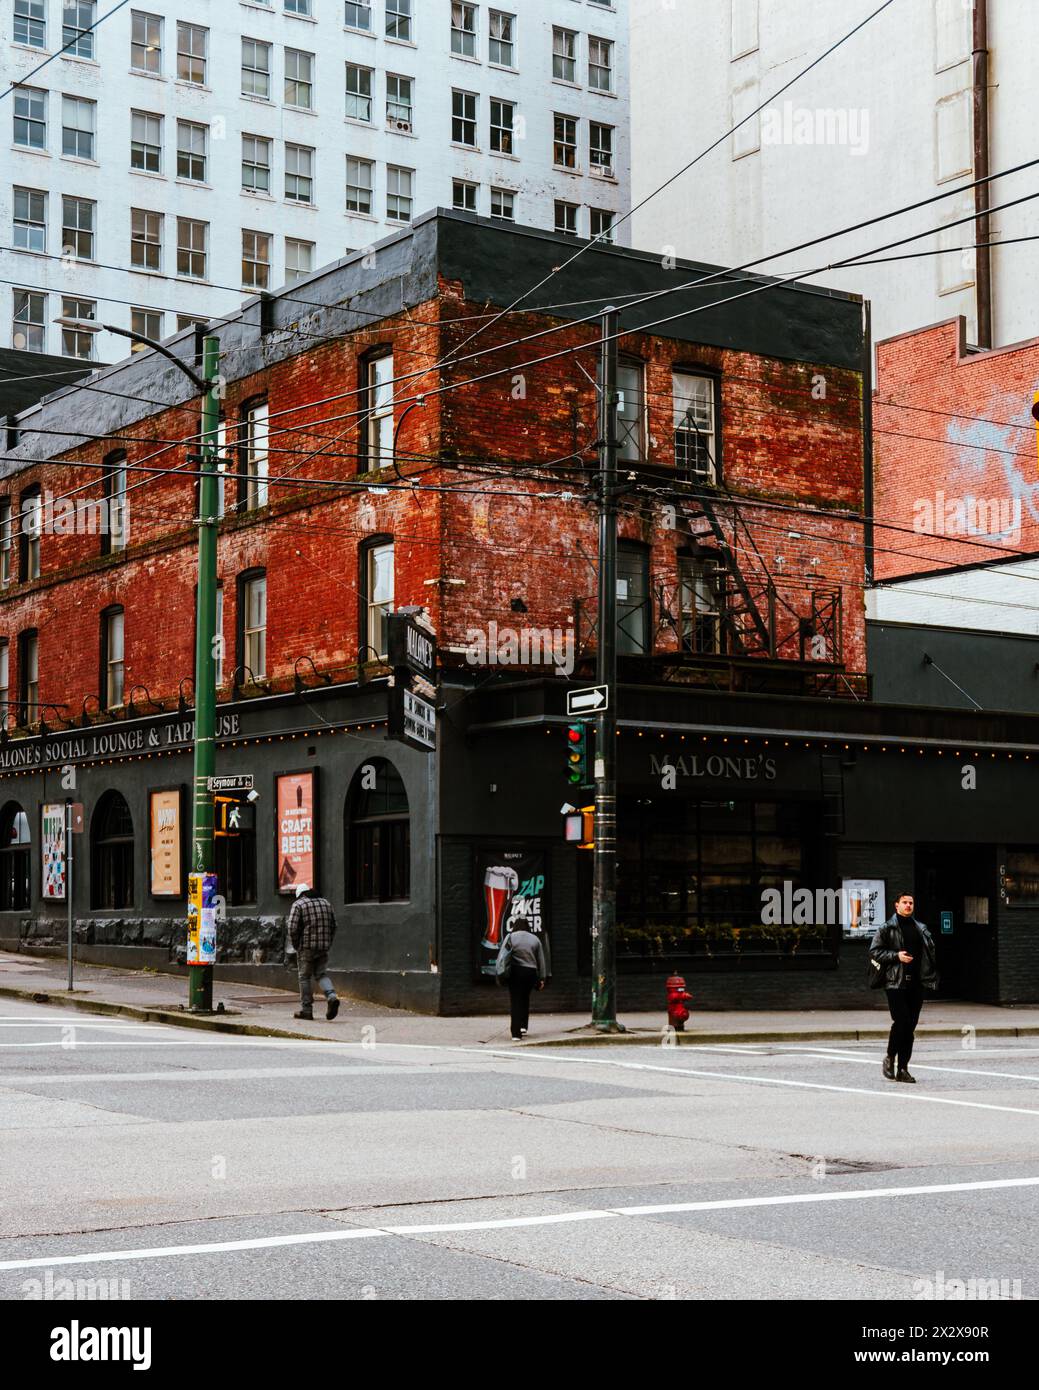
[576,755]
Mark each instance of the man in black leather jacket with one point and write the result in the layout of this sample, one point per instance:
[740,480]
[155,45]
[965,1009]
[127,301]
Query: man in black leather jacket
[903,950]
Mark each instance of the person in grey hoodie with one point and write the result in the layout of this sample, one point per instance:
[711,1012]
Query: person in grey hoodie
[527,971]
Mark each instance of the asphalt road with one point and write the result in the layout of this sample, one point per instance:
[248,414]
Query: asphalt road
[182,1165]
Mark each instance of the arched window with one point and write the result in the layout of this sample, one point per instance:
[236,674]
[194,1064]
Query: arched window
[111,853]
[14,858]
[378,836]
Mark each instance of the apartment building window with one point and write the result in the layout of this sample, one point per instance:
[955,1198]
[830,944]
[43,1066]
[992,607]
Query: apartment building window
[359,185]
[76,340]
[145,42]
[503,120]
[145,239]
[192,53]
[256,260]
[503,205]
[28,676]
[600,64]
[299,258]
[252,624]
[30,118]
[256,164]
[6,545]
[378,384]
[633,626]
[77,228]
[30,23]
[116,533]
[377,597]
[299,173]
[359,15]
[699,582]
[30,219]
[398,101]
[78,119]
[398,20]
[501,49]
[255,459]
[463,195]
[378,838]
[256,69]
[77,19]
[601,224]
[358,92]
[299,79]
[190,321]
[111,854]
[463,30]
[148,324]
[566,217]
[564,55]
[192,248]
[301,7]
[463,118]
[600,149]
[399,197]
[30,526]
[631,412]
[192,151]
[564,144]
[29,327]
[112,658]
[146,142]
[694,417]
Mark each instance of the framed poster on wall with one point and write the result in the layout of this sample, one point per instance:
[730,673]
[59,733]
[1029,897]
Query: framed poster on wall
[863,905]
[511,889]
[52,843]
[295,830]
[165,842]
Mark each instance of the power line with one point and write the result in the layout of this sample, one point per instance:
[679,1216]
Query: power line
[90,29]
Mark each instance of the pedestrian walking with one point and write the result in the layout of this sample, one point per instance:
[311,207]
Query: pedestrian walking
[902,960]
[522,964]
[312,929]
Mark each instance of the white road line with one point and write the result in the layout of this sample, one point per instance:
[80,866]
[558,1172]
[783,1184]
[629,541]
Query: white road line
[78,1023]
[29,1081]
[161,1252]
[820,1056]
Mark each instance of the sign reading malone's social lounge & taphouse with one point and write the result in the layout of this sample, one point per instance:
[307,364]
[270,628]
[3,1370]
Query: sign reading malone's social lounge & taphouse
[113,741]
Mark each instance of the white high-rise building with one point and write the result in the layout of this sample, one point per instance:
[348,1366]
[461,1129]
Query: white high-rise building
[918,102]
[187,153]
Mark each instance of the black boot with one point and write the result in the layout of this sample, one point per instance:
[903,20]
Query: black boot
[903,1075]
[304,1013]
[889,1068]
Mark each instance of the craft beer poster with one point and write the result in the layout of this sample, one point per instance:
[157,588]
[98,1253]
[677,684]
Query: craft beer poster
[164,808]
[511,888]
[296,863]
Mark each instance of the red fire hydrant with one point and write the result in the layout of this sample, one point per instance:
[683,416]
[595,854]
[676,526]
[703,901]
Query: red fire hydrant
[677,999]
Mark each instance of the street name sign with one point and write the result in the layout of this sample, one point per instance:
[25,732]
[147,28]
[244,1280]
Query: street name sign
[242,782]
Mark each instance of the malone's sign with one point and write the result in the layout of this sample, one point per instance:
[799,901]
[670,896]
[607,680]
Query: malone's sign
[109,742]
[750,768]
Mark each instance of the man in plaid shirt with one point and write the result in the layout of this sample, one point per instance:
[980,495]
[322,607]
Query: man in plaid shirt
[312,928]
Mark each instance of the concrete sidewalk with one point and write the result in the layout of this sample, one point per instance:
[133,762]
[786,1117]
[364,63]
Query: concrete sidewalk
[253,1010]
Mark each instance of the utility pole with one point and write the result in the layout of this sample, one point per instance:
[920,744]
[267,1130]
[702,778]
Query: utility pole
[604,892]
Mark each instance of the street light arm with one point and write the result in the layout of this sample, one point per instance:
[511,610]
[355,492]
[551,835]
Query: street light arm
[202,384]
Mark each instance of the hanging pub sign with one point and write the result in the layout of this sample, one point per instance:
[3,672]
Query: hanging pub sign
[411,645]
[511,890]
[164,817]
[412,718]
[296,859]
[52,840]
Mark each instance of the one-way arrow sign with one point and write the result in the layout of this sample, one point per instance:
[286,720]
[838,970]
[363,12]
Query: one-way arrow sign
[590,700]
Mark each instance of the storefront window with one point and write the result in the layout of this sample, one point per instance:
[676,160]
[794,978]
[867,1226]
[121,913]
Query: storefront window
[14,859]
[378,836]
[111,853]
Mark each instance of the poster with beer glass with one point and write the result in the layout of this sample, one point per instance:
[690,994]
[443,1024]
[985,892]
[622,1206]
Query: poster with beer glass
[512,890]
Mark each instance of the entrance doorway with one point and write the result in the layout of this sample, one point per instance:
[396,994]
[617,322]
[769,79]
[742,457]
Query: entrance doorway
[960,879]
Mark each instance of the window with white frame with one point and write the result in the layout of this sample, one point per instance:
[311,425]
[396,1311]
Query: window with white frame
[378,599]
[463,118]
[256,260]
[253,599]
[564,143]
[600,64]
[566,217]
[463,195]
[30,219]
[257,461]
[115,537]
[256,164]
[503,204]
[601,223]
[463,30]
[77,227]
[31,527]
[564,55]
[399,195]
[503,123]
[77,20]
[192,53]
[600,149]
[145,42]
[30,23]
[359,92]
[29,679]
[148,324]
[700,601]
[192,151]
[256,69]
[77,333]
[299,173]
[146,142]
[29,327]
[379,411]
[299,79]
[399,109]
[299,258]
[301,7]
[631,411]
[399,14]
[6,546]
[112,656]
[694,416]
[192,248]
[359,185]
[359,15]
[145,239]
[501,42]
[30,118]
[78,120]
